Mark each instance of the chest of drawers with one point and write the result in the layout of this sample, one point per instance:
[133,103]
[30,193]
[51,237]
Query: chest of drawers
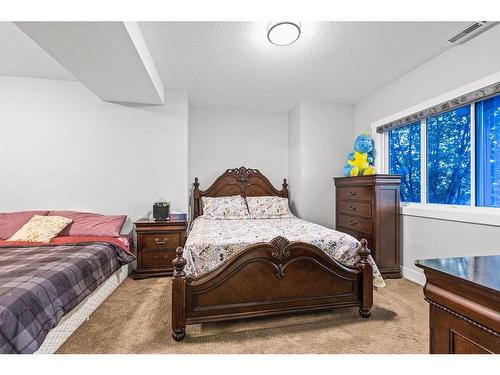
[368,207]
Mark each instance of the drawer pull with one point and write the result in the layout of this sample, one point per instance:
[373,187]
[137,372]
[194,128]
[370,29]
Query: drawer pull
[352,193]
[161,242]
[352,222]
[352,208]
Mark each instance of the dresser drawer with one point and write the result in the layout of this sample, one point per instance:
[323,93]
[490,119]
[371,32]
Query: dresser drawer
[160,240]
[362,193]
[158,258]
[355,223]
[355,208]
[359,236]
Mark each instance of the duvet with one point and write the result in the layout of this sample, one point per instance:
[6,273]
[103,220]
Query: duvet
[40,284]
[212,242]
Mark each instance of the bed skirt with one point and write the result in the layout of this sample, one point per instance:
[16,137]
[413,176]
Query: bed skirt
[71,321]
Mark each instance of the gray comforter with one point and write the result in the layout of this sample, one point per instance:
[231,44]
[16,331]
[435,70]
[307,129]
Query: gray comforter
[39,285]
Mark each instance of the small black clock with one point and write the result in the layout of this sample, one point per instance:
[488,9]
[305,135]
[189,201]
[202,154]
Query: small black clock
[161,211]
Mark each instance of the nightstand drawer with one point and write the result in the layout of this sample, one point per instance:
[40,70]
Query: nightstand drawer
[362,193]
[157,258]
[355,208]
[355,223]
[160,240]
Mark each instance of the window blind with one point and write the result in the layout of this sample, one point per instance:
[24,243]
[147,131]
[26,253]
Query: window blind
[471,97]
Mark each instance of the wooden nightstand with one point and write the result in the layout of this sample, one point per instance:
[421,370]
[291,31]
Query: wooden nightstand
[156,244]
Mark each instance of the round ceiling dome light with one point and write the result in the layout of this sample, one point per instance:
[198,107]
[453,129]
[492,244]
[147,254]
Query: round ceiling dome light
[283,33]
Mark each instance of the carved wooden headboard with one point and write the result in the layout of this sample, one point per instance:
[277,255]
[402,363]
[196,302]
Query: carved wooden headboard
[242,181]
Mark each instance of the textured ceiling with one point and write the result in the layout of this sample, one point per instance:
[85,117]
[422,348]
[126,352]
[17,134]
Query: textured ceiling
[110,58]
[21,56]
[231,64]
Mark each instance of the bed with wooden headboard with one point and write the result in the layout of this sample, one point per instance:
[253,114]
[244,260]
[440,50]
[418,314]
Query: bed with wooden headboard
[266,278]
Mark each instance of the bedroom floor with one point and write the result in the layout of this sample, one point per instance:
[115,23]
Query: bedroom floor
[136,319]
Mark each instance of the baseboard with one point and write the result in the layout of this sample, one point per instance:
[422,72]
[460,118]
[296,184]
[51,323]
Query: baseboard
[416,277]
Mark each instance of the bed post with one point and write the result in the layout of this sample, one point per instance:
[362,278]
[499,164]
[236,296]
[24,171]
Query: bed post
[179,297]
[367,280]
[196,198]
[285,188]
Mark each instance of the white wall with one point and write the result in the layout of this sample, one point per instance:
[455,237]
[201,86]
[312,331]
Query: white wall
[431,238]
[64,148]
[1,142]
[228,138]
[321,134]
[463,64]
[294,160]
[452,69]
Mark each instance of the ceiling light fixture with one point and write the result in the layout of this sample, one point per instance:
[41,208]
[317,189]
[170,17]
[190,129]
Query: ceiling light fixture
[283,33]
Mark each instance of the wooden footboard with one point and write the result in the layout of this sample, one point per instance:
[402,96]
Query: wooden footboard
[270,278]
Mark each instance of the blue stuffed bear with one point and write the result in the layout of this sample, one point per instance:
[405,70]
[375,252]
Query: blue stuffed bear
[360,161]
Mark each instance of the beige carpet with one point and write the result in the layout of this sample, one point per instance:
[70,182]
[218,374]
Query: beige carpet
[136,319]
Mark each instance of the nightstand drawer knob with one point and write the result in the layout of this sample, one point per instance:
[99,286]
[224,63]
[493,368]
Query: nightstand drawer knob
[161,241]
[352,193]
[353,222]
[352,208]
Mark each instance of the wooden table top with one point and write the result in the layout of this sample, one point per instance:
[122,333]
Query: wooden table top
[480,270]
[152,222]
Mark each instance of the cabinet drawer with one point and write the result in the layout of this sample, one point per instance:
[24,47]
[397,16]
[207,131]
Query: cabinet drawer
[160,240]
[355,208]
[359,236]
[453,335]
[355,223]
[157,258]
[362,193]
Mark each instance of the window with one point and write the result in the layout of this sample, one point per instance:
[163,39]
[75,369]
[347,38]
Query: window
[452,158]
[488,152]
[404,159]
[448,157]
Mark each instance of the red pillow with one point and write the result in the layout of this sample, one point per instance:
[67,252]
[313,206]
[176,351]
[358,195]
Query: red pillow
[90,224]
[11,222]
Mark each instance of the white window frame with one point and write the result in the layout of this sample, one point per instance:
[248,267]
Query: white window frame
[460,213]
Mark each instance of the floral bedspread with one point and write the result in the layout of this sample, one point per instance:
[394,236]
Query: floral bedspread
[211,242]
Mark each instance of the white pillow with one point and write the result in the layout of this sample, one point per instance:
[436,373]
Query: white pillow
[233,207]
[41,229]
[269,208]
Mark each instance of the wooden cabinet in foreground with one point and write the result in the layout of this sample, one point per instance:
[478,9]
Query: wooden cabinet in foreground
[464,298]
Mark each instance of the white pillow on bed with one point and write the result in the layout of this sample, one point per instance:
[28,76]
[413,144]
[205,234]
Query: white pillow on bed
[269,208]
[233,207]
[41,229]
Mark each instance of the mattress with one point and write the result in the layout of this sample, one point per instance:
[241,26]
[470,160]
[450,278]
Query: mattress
[212,242]
[71,321]
[39,285]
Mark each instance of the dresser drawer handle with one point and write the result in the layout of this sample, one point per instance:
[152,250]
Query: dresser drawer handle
[161,242]
[352,208]
[352,222]
[352,193]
